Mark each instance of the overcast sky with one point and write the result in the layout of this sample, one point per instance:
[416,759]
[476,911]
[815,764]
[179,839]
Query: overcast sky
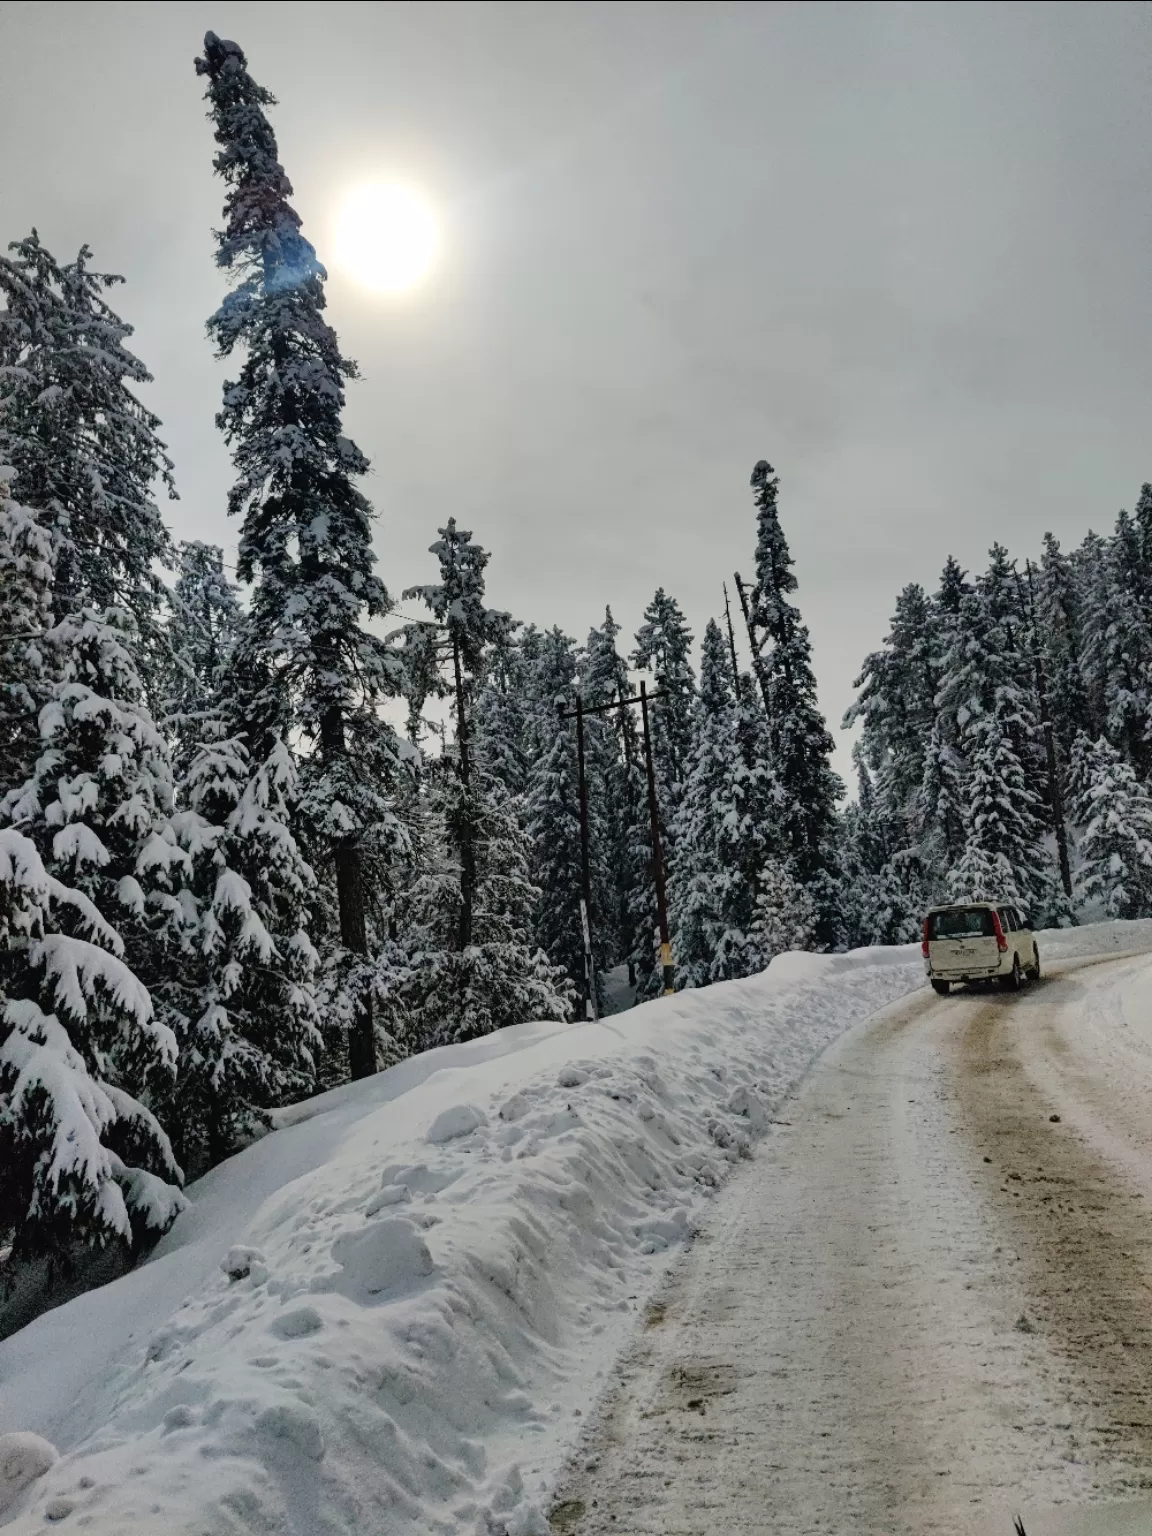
[902,251]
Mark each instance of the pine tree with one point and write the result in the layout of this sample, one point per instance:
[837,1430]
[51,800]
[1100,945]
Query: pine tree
[551,808]
[86,451]
[466,628]
[99,798]
[800,743]
[205,624]
[884,891]
[603,677]
[453,993]
[897,705]
[663,647]
[1116,840]
[625,866]
[84,1161]
[1002,854]
[471,963]
[987,690]
[501,716]
[1143,520]
[1058,625]
[304,660]
[937,821]
[26,574]
[1117,654]
[786,915]
[711,907]
[243,1003]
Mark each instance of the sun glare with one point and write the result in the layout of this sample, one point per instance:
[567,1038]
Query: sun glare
[386,237]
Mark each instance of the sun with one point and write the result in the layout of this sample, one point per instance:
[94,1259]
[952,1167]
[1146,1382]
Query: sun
[386,237]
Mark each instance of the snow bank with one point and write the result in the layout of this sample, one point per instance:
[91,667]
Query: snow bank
[391,1313]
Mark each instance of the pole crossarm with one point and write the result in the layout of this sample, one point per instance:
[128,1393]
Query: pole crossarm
[603,709]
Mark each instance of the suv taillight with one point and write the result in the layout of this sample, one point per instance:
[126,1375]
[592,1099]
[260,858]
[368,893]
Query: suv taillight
[1001,941]
[924,941]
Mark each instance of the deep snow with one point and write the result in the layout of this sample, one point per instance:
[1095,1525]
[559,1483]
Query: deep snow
[392,1312]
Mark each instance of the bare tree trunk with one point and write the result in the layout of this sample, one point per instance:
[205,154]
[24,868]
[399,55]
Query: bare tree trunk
[467,849]
[350,897]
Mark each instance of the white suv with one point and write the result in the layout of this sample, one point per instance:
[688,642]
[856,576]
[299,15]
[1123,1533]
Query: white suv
[978,941]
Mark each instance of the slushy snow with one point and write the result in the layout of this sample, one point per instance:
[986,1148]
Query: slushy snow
[392,1312]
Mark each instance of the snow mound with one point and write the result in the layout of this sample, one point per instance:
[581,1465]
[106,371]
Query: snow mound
[458,1120]
[385,1260]
[427,1275]
[23,1458]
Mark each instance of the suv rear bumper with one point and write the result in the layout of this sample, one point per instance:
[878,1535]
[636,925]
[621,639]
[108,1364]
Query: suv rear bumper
[973,974]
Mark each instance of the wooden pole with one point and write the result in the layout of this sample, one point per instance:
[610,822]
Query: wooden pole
[590,1011]
[732,646]
[756,667]
[657,854]
[467,850]
[1055,797]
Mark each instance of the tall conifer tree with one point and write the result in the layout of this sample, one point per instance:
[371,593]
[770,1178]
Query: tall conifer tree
[800,743]
[304,660]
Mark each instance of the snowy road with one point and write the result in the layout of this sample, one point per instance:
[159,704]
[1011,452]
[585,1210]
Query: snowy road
[927,1304]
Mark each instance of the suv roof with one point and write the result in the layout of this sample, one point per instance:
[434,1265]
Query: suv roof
[963,906]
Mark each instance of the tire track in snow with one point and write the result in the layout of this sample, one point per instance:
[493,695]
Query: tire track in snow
[878,1332]
[1081,1231]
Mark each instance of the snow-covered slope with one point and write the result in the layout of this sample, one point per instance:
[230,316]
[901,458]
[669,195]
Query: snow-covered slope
[391,1313]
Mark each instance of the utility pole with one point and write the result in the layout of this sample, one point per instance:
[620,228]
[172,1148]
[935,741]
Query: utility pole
[752,642]
[590,1009]
[657,854]
[732,646]
[1055,797]
[467,848]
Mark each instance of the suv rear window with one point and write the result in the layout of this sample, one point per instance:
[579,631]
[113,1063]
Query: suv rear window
[963,923]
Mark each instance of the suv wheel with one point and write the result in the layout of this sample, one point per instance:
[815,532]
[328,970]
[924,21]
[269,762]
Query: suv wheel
[1036,966]
[1015,978]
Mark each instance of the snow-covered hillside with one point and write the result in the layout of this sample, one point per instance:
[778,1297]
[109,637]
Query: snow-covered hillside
[392,1312]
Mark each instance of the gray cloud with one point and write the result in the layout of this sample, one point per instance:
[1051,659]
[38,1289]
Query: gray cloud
[902,251]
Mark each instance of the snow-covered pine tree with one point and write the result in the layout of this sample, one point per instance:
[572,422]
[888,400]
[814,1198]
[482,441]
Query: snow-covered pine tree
[711,907]
[452,993]
[664,647]
[884,891]
[465,630]
[26,574]
[551,807]
[304,659]
[99,798]
[85,1163]
[786,915]
[1002,854]
[897,705]
[1058,627]
[204,627]
[627,833]
[85,450]
[243,1003]
[501,716]
[987,689]
[1143,520]
[800,743]
[1116,838]
[937,822]
[603,677]
[1117,654]
[471,963]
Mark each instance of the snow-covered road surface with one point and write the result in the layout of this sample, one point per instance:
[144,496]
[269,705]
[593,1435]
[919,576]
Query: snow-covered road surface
[927,1305]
